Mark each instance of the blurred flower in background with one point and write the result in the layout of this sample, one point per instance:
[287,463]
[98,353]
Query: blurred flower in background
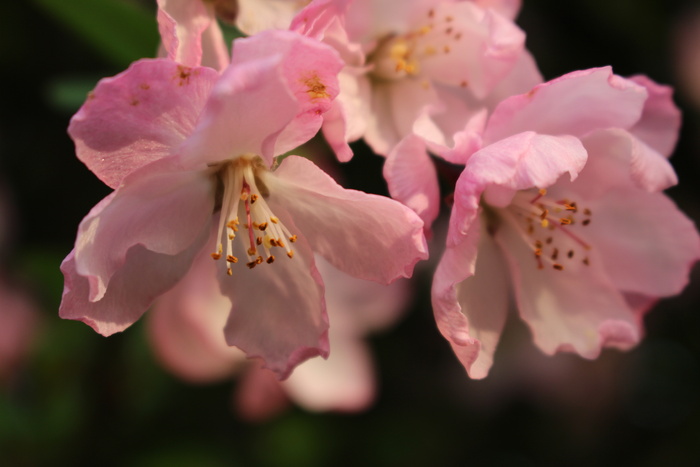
[186,329]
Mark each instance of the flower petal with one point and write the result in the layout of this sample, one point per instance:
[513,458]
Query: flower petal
[163,210]
[367,236]
[144,276]
[470,300]
[661,119]
[138,116]
[646,244]
[618,159]
[186,327]
[526,160]
[278,313]
[270,100]
[412,179]
[576,309]
[190,33]
[574,104]
[473,48]
[345,382]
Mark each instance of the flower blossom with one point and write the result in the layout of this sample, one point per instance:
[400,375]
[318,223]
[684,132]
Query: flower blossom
[563,205]
[417,80]
[191,156]
[185,330]
[428,67]
[19,323]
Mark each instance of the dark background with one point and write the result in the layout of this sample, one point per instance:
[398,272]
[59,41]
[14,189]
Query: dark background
[83,399]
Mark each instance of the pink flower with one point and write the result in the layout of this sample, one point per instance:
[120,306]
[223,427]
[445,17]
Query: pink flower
[185,328]
[191,155]
[427,67]
[563,204]
[19,321]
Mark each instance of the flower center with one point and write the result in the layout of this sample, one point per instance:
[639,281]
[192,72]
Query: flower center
[399,56]
[244,201]
[547,226]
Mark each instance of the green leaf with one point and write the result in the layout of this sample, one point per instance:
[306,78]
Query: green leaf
[120,31]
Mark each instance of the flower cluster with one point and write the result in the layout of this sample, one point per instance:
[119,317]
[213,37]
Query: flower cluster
[558,205]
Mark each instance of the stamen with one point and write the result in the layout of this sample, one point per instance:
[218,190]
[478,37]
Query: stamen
[242,197]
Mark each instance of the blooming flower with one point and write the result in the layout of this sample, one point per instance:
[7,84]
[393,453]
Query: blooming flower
[19,321]
[191,155]
[185,328]
[428,67]
[419,80]
[586,254]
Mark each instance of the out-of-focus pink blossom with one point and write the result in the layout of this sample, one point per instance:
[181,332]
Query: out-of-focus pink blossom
[687,55]
[563,206]
[186,330]
[191,155]
[19,320]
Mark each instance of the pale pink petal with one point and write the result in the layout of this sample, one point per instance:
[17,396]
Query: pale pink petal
[617,159]
[524,76]
[259,395]
[457,264]
[316,18]
[396,106]
[191,36]
[162,210]
[255,16]
[520,162]
[576,309]
[144,276]
[574,104]
[215,53]
[381,133]
[139,116]
[471,47]
[367,236]
[661,119]
[345,382]
[270,100]
[646,244]
[479,292]
[186,327]
[278,313]
[247,109]
[310,69]
[359,307]
[346,121]
[508,8]
[412,179]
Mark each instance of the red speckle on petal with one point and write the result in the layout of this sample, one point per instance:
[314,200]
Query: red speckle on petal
[183,74]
